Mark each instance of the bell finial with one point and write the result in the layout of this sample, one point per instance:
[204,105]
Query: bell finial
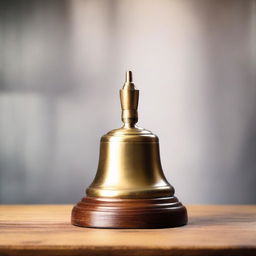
[129,97]
[128,77]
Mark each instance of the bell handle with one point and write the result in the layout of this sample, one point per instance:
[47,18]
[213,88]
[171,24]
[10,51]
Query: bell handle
[129,97]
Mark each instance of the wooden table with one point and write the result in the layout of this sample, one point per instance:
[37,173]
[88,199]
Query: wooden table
[46,230]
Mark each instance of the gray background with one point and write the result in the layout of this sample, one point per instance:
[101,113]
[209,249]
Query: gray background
[63,62]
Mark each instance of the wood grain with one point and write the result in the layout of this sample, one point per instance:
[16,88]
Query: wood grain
[129,213]
[46,230]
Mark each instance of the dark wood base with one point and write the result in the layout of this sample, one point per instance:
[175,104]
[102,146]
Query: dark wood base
[129,213]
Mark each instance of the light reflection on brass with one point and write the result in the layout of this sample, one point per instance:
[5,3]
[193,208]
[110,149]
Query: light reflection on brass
[129,163]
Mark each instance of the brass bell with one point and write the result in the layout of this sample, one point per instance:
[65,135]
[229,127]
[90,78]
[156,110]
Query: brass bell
[130,189]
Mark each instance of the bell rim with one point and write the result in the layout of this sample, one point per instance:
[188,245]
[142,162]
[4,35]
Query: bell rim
[131,193]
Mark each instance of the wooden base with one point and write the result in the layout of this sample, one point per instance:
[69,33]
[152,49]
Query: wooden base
[129,213]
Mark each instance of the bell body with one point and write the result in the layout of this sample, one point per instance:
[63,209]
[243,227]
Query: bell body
[129,189]
[129,166]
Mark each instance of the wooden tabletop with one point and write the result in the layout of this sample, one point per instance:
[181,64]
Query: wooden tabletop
[46,230]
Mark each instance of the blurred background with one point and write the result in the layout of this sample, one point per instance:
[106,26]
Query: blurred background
[63,62]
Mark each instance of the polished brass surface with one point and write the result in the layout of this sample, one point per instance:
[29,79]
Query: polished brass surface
[129,163]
